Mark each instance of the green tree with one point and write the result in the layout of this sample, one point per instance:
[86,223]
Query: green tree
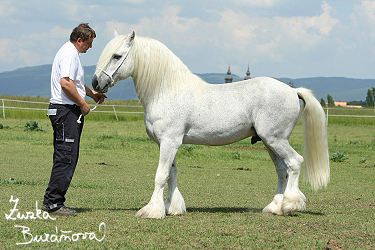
[331,102]
[370,98]
[323,103]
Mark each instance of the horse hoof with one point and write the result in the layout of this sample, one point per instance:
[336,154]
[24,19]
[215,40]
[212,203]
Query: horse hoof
[292,204]
[149,211]
[272,210]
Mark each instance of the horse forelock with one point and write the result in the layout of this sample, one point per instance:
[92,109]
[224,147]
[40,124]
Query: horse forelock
[159,69]
[108,52]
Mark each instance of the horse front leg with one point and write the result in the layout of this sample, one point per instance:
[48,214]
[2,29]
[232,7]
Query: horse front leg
[156,208]
[175,204]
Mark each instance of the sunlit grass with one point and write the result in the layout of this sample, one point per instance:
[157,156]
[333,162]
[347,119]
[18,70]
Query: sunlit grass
[225,189]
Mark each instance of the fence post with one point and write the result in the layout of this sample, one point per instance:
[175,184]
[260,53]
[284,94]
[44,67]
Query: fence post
[3,109]
[327,114]
[114,110]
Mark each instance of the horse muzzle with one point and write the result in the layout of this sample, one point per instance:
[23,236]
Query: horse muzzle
[101,83]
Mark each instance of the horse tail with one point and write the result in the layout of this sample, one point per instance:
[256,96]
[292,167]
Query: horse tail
[314,124]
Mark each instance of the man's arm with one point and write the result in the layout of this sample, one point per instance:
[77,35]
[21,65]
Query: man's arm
[96,96]
[71,92]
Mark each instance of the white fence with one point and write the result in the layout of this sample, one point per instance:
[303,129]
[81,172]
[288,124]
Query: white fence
[364,112]
[119,109]
[43,106]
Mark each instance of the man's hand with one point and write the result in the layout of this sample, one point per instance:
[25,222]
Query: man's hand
[96,96]
[71,92]
[99,97]
[85,108]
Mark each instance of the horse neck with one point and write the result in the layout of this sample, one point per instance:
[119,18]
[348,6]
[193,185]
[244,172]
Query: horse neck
[158,72]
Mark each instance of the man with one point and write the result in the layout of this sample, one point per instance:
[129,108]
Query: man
[67,103]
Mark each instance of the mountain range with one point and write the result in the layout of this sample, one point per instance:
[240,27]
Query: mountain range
[35,81]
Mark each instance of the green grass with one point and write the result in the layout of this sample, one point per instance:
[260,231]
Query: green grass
[225,189]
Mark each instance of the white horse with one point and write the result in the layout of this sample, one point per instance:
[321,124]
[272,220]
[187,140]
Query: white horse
[180,108]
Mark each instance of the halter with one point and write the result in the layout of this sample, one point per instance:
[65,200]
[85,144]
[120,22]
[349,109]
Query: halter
[110,75]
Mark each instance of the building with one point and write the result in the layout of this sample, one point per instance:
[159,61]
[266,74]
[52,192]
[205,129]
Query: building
[247,77]
[340,104]
[229,78]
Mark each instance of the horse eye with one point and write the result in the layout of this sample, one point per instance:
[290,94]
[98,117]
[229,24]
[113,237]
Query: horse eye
[115,56]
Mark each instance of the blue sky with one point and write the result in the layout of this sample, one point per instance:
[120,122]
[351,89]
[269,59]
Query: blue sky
[277,38]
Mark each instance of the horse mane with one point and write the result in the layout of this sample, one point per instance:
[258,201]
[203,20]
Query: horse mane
[157,70]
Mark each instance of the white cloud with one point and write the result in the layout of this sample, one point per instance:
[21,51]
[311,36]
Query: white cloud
[132,1]
[257,3]
[325,22]
[58,32]
[8,50]
[6,9]
[363,18]
[259,32]
[168,26]
[33,49]
[271,38]
[234,34]
[11,51]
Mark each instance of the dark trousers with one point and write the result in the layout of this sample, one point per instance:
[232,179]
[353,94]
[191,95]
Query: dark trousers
[67,134]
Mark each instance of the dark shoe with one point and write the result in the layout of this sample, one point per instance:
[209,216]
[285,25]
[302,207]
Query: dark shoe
[44,207]
[64,211]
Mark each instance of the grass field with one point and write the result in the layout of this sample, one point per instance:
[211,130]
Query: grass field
[225,189]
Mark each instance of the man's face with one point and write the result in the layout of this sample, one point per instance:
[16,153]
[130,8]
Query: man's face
[83,46]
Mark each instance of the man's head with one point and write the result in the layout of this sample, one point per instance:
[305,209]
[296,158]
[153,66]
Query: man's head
[82,37]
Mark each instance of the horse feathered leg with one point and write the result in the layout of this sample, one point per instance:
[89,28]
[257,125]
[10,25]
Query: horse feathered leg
[275,206]
[175,204]
[293,198]
[156,207]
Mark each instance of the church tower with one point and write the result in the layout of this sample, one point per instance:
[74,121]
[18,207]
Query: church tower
[247,77]
[228,78]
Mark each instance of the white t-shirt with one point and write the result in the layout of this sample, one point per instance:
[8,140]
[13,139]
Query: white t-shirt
[67,63]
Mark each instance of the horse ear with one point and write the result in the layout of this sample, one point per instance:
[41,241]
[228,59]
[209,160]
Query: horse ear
[115,33]
[130,39]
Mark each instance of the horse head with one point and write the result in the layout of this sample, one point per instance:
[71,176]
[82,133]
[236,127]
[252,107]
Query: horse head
[115,63]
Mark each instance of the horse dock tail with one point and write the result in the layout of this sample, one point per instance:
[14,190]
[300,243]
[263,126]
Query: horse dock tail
[316,155]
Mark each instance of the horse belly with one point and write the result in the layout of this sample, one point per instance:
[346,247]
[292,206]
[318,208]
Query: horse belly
[217,135]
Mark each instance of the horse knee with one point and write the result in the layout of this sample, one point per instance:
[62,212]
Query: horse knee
[161,180]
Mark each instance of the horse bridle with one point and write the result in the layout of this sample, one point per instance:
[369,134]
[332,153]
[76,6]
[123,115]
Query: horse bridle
[114,71]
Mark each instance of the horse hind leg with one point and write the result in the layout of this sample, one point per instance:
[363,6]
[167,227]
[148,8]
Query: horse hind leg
[288,163]
[175,204]
[275,206]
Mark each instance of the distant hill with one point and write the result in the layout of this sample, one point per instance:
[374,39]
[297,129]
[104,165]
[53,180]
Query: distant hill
[340,88]
[35,81]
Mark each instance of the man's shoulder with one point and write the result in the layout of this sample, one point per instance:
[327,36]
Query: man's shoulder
[67,49]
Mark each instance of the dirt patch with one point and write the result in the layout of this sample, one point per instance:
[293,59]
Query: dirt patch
[368,166]
[104,164]
[246,169]
[195,167]
[331,244]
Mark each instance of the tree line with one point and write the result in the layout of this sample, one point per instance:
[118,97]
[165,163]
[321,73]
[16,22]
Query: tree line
[370,100]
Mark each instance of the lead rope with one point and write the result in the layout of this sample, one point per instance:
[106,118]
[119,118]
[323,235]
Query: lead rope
[96,105]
